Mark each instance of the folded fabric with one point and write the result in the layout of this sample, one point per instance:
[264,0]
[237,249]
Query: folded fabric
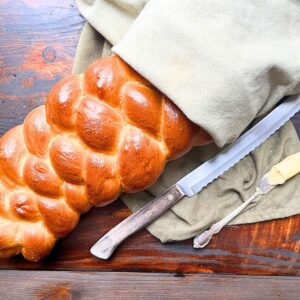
[224,63]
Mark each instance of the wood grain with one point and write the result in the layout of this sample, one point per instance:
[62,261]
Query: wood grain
[100,285]
[262,248]
[37,47]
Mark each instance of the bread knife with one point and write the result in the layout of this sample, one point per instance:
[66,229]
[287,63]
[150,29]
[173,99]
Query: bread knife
[199,178]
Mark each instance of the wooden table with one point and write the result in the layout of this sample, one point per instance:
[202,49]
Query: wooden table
[37,48]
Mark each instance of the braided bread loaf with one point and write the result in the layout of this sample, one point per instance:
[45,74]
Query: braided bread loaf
[100,133]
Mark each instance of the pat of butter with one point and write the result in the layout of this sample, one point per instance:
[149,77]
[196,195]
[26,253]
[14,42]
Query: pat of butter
[283,171]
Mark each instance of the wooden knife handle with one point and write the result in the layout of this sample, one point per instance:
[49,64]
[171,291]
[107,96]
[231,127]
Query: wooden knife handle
[140,219]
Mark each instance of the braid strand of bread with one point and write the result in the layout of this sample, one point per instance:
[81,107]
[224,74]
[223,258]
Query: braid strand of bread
[100,133]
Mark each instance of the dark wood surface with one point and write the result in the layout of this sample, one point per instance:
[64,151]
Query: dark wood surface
[37,47]
[115,286]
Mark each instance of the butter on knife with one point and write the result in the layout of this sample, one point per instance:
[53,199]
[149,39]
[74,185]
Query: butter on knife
[283,171]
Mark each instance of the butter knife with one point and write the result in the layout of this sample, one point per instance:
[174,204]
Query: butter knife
[278,175]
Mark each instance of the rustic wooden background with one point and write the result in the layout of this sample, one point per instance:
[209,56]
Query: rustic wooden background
[37,47]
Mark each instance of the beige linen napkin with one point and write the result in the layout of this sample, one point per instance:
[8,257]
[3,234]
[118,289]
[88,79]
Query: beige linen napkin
[224,63]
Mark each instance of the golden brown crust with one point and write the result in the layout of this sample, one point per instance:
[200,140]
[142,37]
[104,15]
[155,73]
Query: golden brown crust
[12,153]
[24,206]
[67,158]
[37,132]
[101,133]
[142,107]
[141,160]
[41,178]
[178,132]
[102,180]
[98,125]
[62,101]
[76,197]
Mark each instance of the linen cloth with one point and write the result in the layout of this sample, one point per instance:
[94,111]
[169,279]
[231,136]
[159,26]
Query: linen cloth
[223,63]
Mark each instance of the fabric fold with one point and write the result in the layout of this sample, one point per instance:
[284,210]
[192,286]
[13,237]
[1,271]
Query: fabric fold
[110,18]
[223,63]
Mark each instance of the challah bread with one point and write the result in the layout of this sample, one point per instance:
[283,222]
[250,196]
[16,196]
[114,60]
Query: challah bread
[100,133]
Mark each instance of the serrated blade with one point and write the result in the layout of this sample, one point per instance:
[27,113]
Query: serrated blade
[199,178]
